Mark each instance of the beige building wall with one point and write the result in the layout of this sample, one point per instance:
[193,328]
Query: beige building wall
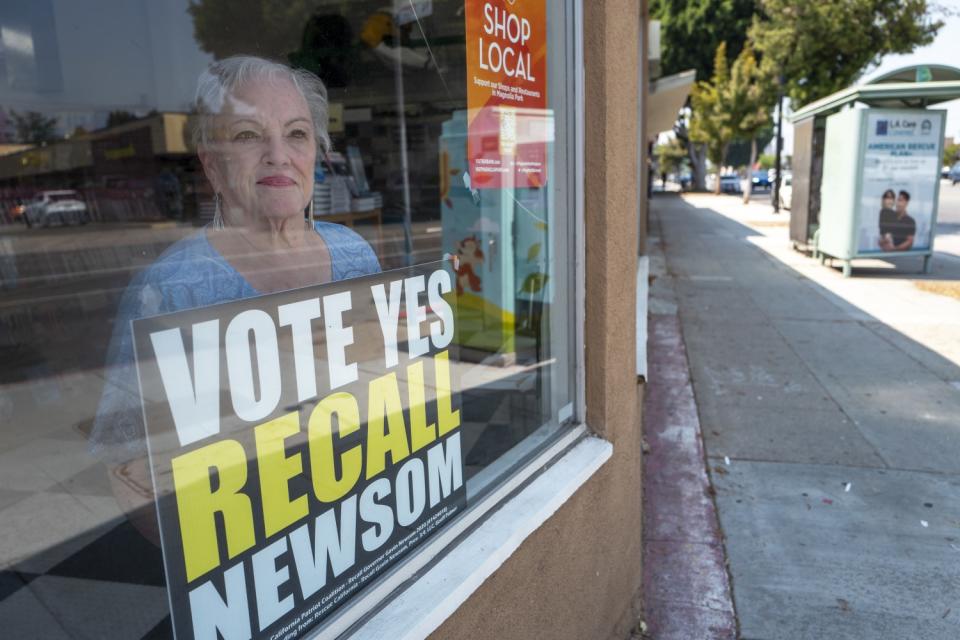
[579,575]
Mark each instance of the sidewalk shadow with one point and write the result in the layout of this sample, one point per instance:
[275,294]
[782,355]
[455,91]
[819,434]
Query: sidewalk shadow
[716,284]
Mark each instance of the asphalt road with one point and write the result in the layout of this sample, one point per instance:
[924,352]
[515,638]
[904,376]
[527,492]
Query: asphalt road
[949,203]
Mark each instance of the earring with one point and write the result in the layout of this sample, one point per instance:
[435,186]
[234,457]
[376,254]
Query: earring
[310,215]
[217,212]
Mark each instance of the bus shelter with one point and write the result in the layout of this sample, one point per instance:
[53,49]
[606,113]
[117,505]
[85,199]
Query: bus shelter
[866,167]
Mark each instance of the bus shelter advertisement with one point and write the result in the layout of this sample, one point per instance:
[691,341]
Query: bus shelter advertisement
[508,122]
[301,443]
[901,172]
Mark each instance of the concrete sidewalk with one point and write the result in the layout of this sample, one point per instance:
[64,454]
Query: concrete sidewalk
[837,404]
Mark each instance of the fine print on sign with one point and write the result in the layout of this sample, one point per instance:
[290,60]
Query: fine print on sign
[509,125]
[301,443]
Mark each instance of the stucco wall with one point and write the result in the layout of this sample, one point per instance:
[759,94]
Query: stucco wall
[579,575]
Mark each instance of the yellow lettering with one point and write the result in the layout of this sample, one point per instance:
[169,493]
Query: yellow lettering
[447,418]
[197,502]
[421,433]
[276,469]
[385,409]
[326,486]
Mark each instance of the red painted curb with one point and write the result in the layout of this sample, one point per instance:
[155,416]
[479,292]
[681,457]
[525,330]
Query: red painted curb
[686,587]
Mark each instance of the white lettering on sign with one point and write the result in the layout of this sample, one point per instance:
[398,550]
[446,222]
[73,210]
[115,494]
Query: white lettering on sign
[194,399]
[502,54]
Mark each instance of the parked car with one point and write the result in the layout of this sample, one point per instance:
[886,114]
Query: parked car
[945,172]
[730,183]
[955,173]
[786,190]
[761,180]
[61,207]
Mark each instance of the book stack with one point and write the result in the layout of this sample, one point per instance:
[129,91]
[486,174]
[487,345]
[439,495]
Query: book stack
[366,202]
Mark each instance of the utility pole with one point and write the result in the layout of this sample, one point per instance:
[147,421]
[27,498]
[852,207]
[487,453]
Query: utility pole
[778,167]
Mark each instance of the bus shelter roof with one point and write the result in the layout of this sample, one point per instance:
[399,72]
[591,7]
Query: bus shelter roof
[895,90]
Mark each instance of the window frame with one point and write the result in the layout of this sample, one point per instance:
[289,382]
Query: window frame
[572,449]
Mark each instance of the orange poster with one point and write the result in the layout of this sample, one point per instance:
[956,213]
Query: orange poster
[508,122]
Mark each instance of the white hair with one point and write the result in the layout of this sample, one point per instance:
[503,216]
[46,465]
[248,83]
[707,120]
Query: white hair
[224,76]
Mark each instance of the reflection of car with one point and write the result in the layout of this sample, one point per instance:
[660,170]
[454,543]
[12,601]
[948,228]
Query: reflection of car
[955,174]
[761,180]
[786,190]
[56,207]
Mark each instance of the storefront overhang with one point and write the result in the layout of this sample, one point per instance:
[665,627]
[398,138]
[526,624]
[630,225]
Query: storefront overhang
[667,96]
[893,90]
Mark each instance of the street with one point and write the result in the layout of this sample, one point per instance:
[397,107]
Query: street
[949,203]
[828,408]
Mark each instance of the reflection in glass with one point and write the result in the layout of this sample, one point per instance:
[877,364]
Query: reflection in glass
[105,124]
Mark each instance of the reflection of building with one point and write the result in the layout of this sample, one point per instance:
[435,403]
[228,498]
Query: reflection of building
[54,55]
[116,169]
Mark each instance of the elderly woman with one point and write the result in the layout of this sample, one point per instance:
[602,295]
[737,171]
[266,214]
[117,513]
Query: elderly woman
[260,127]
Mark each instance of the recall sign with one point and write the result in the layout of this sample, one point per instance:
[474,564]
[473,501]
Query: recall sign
[301,443]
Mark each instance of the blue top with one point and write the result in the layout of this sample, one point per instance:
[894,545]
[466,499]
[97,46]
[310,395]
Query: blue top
[190,274]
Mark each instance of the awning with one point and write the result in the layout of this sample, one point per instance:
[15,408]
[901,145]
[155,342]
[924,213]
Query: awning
[667,95]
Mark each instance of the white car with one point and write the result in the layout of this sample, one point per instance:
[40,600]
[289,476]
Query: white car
[786,190]
[61,207]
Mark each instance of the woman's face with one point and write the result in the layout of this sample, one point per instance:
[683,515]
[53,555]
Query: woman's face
[888,202]
[262,158]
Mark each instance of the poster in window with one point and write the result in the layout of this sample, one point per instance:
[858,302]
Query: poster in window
[301,443]
[508,123]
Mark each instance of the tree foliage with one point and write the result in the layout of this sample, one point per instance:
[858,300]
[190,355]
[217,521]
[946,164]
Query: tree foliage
[749,99]
[951,153]
[670,155]
[119,116]
[823,46]
[33,127]
[711,124]
[271,28]
[734,105]
[691,31]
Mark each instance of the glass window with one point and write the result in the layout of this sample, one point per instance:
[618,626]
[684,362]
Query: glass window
[227,232]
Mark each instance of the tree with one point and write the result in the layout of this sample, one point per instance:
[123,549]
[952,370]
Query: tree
[117,117]
[747,98]
[951,153]
[822,47]
[271,28]
[691,31]
[670,156]
[711,124]
[766,161]
[33,127]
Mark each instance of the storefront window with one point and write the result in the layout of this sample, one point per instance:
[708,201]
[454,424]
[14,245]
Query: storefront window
[283,290]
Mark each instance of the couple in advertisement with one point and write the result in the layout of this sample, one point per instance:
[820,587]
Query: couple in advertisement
[897,228]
